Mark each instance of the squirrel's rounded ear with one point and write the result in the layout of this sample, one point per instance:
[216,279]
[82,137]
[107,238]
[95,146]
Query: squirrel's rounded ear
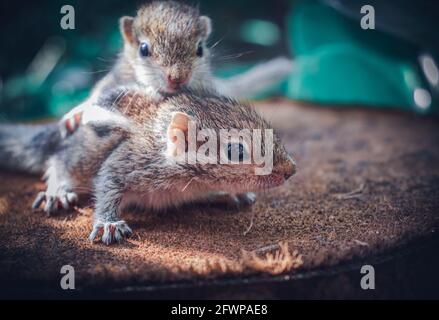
[206,26]
[179,121]
[127,29]
[177,134]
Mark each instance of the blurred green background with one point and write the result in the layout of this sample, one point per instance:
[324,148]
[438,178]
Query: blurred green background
[45,70]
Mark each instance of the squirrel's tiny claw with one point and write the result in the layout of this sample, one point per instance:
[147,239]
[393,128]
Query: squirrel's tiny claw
[94,233]
[51,205]
[112,231]
[106,237]
[77,119]
[64,201]
[38,200]
[63,198]
[71,124]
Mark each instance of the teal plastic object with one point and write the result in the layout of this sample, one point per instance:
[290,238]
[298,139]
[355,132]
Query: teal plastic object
[337,62]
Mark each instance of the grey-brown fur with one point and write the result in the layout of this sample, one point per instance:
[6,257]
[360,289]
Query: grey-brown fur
[121,164]
[173,31]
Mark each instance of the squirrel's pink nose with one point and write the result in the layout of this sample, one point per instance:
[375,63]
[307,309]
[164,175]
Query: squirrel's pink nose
[176,81]
[288,168]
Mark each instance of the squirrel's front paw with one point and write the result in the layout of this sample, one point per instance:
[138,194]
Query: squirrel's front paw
[62,198]
[70,123]
[111,231]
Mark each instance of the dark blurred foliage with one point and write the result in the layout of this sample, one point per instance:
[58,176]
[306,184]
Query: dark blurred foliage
[414,21]
[88,51]
[26,25]
[45,70]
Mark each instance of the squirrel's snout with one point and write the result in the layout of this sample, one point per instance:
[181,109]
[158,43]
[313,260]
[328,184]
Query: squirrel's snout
[290,169]
[287,168]
[176,82]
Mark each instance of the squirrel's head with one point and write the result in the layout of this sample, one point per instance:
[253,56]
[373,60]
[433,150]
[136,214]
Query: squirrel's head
[166,45]
[222,144]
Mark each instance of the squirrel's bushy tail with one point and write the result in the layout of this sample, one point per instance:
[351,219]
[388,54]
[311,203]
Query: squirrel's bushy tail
[257,79]
[26,148]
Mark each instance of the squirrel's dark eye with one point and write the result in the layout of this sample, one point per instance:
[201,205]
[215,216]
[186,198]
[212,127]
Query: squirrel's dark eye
[144,50]
[200,50]
[235,148]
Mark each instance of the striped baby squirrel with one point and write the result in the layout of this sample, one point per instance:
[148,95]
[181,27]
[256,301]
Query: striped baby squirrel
[130,156]
[164,51]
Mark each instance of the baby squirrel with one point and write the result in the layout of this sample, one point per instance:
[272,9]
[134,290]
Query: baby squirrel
[164,51]
[129,159]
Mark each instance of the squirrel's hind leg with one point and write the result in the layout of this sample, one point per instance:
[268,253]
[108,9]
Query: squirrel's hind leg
[237,201]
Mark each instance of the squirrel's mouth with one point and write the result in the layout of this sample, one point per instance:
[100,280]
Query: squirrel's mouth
[174,85]
[261,183]
[173,88]
[270,181]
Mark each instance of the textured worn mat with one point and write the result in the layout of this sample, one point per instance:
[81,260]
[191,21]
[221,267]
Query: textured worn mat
[367,182]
